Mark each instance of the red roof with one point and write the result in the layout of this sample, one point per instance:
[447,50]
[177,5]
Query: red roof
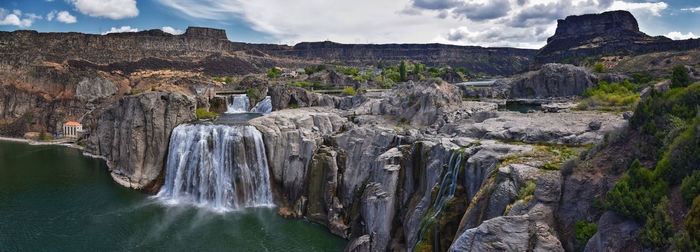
[72,124]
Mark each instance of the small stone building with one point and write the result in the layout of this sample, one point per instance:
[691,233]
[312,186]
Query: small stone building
[71,129]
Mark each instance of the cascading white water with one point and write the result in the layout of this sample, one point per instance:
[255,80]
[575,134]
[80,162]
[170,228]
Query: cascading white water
[263,107]
[218,166]
[445,194]
[239,104]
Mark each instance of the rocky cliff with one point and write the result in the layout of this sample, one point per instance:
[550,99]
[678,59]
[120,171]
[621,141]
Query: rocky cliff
[132,134]
[551,80]
[493,61]
[613,32]
[369,179]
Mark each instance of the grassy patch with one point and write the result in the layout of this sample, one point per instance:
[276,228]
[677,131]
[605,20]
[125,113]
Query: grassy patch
[610,96]
[204,114]
[549,157]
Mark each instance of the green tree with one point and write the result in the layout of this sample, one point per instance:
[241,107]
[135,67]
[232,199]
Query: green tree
[583,232]
[402,71]
[680,77]
[690,187]
[692,220]
[598,67]
[658,230]
[274,72]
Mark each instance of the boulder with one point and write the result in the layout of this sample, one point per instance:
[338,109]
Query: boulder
[614,234]
[594,125]
[552,80]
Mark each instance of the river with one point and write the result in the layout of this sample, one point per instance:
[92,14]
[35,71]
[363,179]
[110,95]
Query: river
[53,198]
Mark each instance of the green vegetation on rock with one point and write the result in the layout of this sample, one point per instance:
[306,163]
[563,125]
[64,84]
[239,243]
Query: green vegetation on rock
[668,123]
[274,72]
[679,77]
[599,68]
[607,95]
[204,114]
[583,232]
[690,187]
[349,90]
[658,230]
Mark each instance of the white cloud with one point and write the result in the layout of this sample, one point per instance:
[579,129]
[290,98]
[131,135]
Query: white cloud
[51,15]
[467,22]
[15,18]
[639,9]
[114,9]
[121,29]
[680,36]
[171,30]
[66,17]
[693,10]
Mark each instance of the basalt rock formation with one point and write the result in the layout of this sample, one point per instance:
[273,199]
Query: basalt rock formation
[552,80]
[494,61]
[132,134]
[613,32]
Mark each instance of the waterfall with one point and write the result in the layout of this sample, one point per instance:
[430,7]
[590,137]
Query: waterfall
[217,166]
[239,104]
[263,107]
[445,193]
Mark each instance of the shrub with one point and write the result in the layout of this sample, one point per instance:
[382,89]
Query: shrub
[682,157]
[692,221]
[527,190]
[636,190]
[135,92]
[679,76]
[274,72]
[204,114]
[583,232]
[690,187]
[598,67]
[658,229]
[402,71]
[348,90]
[640,78]
[611,94]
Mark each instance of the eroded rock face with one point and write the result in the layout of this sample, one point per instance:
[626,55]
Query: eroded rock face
[133,133]
[27,110]
[95,88]
[417,104]
[528,229]
[552,80]
[286,96]
[291,138]
[614,234]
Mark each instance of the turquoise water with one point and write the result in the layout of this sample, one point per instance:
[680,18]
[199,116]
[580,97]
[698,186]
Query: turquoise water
[53,198]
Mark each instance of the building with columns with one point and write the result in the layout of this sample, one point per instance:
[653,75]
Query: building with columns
[71,129]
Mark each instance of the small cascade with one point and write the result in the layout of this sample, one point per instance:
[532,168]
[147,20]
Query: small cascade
[238,104]
[263,107]
[445,194]
[218,166]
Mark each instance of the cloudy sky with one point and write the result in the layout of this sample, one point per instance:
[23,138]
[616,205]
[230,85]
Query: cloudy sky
[515,23]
